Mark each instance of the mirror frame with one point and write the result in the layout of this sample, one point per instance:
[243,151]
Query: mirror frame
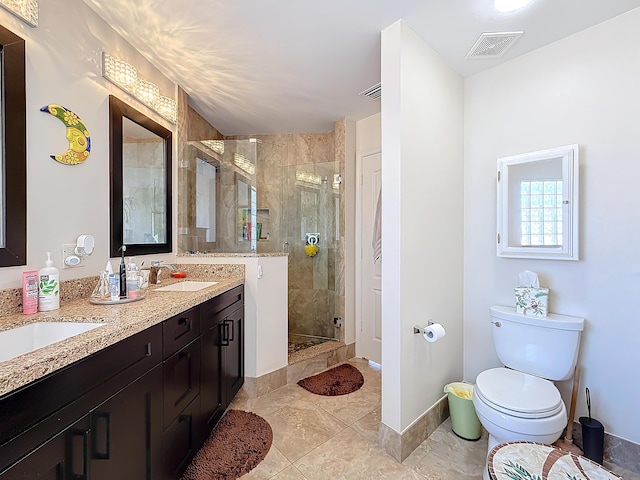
[15,151]
[117,111]
[569,248]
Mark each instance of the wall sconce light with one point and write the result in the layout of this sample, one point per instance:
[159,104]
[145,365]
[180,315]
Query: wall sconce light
[244,164]
[125,76]
[308,178]
[26,10]
[215,145]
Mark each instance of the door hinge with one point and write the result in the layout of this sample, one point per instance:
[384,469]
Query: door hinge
[498,239]
[498,175]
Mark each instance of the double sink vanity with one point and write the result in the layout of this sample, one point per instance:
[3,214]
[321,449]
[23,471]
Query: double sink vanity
[125,391]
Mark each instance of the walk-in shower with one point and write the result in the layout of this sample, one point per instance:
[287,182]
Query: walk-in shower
[272,194]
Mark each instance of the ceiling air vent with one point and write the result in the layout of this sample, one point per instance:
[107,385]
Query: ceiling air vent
[493,45]
[374,93]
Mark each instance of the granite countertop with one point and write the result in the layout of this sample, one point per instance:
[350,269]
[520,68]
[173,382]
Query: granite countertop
[120,322]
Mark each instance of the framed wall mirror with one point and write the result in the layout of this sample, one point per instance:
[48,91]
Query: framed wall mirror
[538,204]
[140,194]
[13,157]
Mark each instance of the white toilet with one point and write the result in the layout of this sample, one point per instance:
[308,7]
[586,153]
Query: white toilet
[519,402]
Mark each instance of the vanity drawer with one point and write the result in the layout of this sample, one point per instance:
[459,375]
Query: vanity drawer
[216,309]
[179,330]
[181,380]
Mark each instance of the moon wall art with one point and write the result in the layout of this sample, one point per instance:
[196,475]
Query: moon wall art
[77,134]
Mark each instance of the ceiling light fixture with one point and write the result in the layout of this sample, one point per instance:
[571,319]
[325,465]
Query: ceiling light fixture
[125,76]
[26,10]
[510,5]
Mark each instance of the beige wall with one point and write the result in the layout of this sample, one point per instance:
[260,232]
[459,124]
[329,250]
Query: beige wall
[64,58]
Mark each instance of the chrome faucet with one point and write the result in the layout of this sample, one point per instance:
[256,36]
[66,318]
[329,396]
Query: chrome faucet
[156,271]
[154,274]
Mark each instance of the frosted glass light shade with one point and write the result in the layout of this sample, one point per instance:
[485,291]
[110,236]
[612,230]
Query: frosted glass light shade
[167,107]
[244,163]
[215,145]
[125,76]
[147,92]
[310,178]
[26,10]
[119,72]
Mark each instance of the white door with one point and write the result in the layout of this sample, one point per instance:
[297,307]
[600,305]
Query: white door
[369,343]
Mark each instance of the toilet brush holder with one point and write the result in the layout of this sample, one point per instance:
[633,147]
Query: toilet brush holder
[592,439]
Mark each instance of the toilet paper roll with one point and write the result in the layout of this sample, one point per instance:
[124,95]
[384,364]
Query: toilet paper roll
[434,332]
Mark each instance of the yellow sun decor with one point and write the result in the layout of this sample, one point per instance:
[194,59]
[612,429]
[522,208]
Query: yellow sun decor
[77,135]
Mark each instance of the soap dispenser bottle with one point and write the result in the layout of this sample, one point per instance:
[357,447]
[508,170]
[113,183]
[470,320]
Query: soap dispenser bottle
[48,286]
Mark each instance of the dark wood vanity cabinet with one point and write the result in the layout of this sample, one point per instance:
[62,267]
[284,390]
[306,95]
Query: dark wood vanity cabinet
[222,344]
[65,456]
[77,418]
[182,377]
[126,431]
[139,409]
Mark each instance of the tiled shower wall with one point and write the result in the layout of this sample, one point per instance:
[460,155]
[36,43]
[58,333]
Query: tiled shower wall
[289,209]
[294,209]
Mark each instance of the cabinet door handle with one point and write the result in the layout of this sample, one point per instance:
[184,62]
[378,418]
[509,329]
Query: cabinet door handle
[103,418]
[147,352]
[232,329]
[225,334]
[184,321]
[84,434]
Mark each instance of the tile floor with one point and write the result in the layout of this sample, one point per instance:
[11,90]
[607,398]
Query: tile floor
[322,438]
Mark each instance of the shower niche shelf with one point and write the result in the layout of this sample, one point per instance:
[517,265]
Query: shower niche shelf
[247,230]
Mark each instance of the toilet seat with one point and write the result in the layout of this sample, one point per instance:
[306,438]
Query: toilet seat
[518,394]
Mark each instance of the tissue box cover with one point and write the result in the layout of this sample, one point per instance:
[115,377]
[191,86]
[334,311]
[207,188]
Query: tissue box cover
[532,301]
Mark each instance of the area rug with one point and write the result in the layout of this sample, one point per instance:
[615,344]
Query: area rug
[235,447]
[339,380]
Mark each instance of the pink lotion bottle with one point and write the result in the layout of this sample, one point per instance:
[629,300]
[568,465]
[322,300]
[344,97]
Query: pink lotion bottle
[30,292]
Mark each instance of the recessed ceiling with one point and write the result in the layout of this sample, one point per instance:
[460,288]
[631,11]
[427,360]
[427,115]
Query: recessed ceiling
[288,66]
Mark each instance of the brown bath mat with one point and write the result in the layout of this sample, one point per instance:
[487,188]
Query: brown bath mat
[239,443]
[339,380]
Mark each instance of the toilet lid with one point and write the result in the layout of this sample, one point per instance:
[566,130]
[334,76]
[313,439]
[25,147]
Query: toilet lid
[518,394]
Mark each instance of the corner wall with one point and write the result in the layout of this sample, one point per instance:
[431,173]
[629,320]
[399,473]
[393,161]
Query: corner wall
[422,229]
[582,89]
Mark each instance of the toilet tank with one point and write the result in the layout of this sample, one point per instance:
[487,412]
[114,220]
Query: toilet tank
[546,347]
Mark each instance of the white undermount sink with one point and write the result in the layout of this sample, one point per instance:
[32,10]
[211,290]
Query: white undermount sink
[25,339]
[186,286]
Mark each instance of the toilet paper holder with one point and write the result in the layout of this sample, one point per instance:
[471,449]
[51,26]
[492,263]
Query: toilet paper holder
[418,330]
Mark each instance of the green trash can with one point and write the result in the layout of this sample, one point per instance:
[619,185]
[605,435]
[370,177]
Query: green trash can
[464,420]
